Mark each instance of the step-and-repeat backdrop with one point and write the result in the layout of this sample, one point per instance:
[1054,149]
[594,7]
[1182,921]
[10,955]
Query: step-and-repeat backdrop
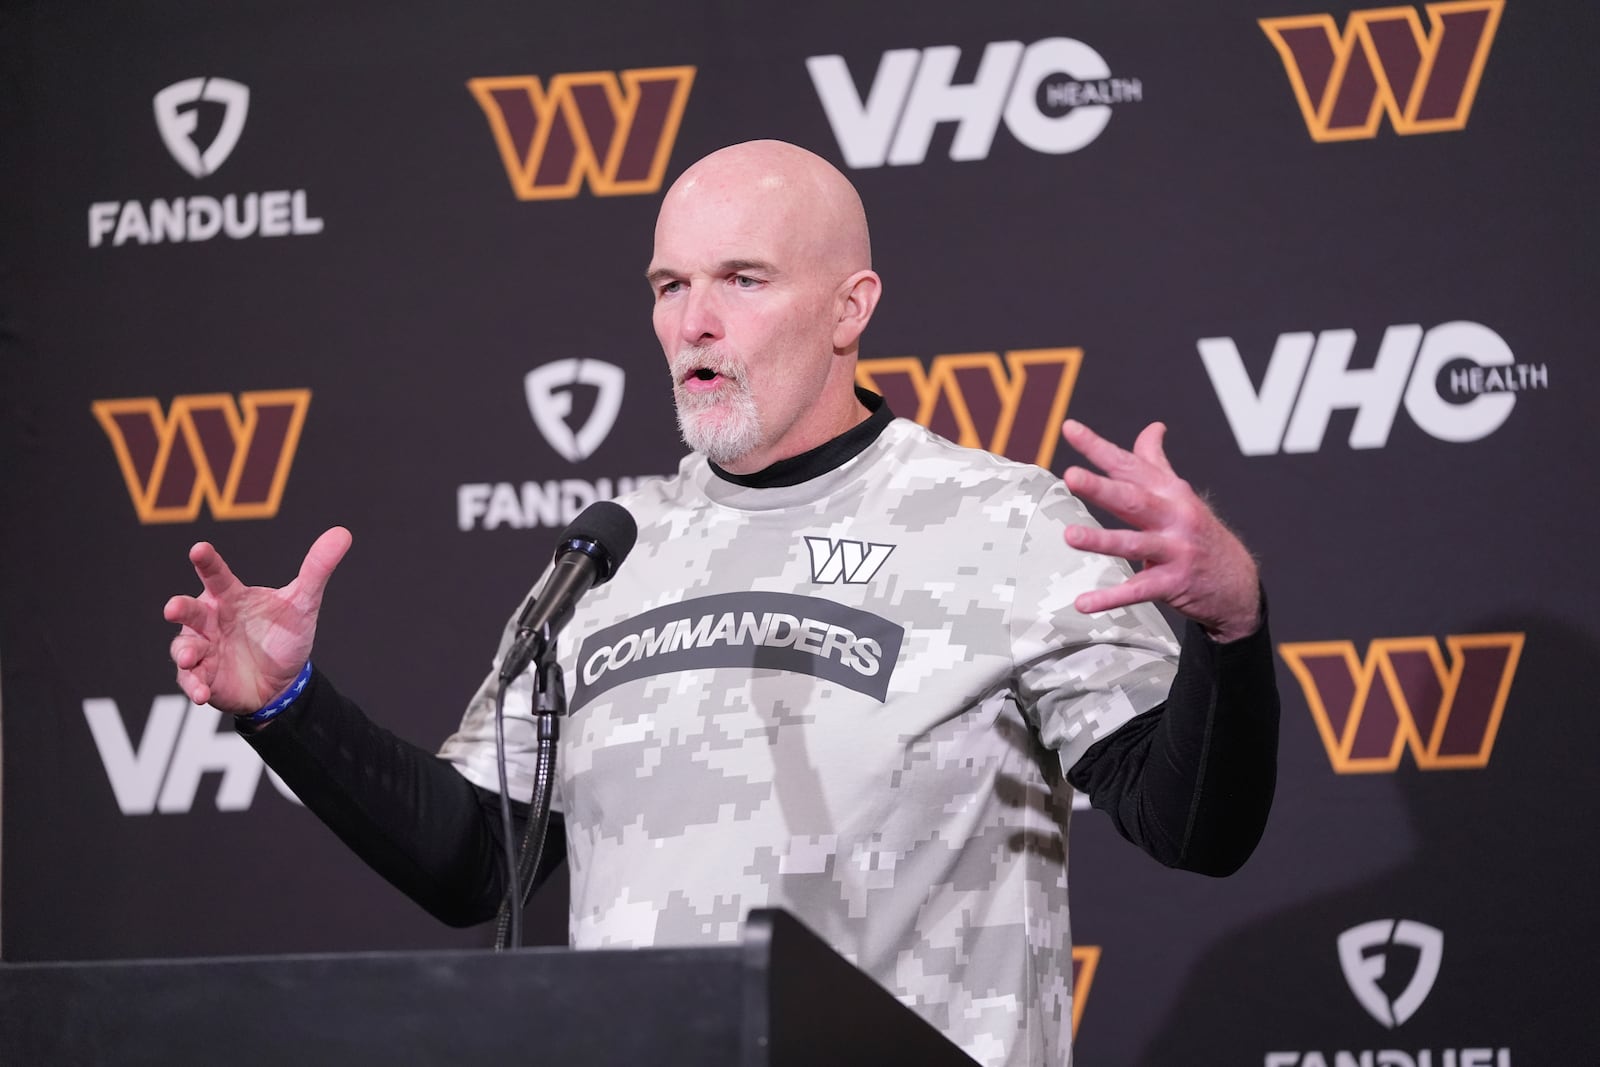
[274,266]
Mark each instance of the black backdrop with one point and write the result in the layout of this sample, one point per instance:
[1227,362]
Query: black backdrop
[1205,209]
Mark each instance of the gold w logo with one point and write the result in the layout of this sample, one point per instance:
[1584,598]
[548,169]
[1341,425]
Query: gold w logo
[1012,407]
[236,457]
[1403,695]
[1085,960]
[1384,63]
[617,134]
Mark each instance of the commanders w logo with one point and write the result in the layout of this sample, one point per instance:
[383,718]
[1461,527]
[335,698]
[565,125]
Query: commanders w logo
[205,448]
[1384,62]
[1012,408]
[585,125]
[1085,958]
[850,562]
[1403,695]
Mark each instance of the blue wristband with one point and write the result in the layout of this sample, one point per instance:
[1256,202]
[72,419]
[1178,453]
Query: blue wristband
[284,699]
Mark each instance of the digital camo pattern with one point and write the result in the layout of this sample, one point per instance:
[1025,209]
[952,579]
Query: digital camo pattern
[923,833]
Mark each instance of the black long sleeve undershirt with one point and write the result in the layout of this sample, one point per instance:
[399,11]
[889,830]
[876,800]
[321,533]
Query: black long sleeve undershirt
[411,816]
[1190,782]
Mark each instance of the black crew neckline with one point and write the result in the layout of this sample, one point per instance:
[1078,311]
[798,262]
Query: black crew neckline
[830,455]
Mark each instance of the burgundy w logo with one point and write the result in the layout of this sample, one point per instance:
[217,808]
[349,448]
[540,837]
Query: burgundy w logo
[1085,960]
[1403,695]
[1012,407]
[615,130]
[1384,63]
[235,457]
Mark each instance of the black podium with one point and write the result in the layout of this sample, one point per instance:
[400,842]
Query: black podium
[780,996]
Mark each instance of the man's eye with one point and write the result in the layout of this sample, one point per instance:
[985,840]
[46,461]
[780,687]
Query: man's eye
[744,281]
[670,287]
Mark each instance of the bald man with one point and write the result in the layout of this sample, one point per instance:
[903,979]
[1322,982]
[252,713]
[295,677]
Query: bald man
[851,669]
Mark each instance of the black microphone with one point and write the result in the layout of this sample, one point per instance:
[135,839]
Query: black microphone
[588,554]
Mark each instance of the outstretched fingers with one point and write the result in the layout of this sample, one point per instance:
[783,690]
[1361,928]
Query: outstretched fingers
[213,571]
[188,611]
[1132,545]
[188,649]
[323,557]
[1146,585]
[1150,447]
[1114,460]
[1127,501]
[193,687]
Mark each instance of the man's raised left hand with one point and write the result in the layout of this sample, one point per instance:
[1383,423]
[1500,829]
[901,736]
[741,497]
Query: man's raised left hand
[1191,561]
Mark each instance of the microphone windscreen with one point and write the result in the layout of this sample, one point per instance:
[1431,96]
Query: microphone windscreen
[608,525]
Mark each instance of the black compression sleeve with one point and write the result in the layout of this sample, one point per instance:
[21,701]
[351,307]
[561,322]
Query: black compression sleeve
[411,816]
[1191,780]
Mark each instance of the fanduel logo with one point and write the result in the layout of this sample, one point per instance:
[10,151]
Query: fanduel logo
[178,126]
[178,108]
[556,392]
[850,562]
[1054,95]
[1012,407]
[1373,957]
[1364,956]
[613,130]
[780,631]
[181,743]
[1384,63]
[1458,381]
[549,390]
[1404,695]
[234,456]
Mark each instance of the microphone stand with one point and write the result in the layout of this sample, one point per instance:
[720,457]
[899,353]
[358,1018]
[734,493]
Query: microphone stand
[549,705]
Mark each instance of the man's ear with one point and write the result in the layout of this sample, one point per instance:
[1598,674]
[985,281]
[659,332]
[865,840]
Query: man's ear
[858,297]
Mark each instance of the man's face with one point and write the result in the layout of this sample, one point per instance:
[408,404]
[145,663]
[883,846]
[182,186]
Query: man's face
[744,313]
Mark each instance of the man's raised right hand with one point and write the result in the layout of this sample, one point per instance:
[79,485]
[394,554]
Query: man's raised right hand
[241,645]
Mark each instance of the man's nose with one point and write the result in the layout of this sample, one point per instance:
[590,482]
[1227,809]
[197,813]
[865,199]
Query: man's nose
[702,320]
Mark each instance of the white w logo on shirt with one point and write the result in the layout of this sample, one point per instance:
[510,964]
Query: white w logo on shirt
[852,562]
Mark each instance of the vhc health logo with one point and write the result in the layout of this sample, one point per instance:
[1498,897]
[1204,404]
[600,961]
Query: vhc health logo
[181,109]
[1458,382]
[574,404]
[1404,695]
[1055,96]
[1384,63]
[611,131]
[181,744]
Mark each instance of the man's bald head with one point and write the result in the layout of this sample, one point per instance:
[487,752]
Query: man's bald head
[763,281]
[805,194]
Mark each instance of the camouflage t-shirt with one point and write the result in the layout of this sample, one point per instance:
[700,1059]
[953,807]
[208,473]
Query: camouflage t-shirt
[854,698]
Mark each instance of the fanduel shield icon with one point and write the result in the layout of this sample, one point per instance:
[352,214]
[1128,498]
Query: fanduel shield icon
[1364,955]
[549,390]
[178,119]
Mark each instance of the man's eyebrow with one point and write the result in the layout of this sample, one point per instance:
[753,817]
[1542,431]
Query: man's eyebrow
[744,266]
[657,275]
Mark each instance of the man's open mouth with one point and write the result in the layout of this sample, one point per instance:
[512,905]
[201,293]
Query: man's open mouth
[705,375]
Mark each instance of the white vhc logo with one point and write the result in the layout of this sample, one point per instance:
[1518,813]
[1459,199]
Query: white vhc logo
[181,743]
[1309,377]
[913,91]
